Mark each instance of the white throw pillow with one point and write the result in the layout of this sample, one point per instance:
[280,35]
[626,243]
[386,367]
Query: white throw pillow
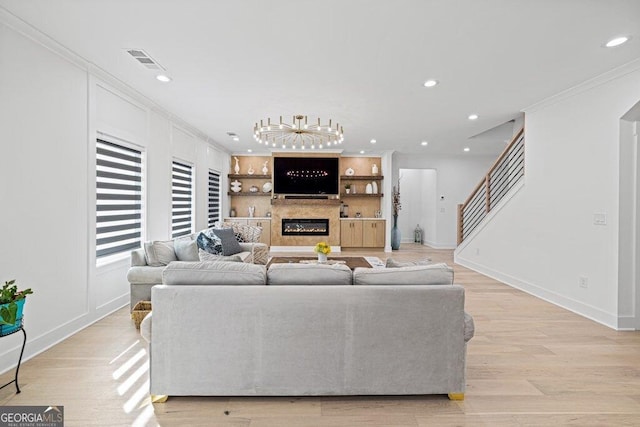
[434,274]
[159,253]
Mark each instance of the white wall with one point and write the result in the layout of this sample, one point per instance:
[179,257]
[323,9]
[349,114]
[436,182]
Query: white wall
[51,108]
[419,203]
[456,177]
[544,238]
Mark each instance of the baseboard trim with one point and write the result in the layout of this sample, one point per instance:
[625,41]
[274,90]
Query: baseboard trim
[577,307]
[39,344]
[628,323]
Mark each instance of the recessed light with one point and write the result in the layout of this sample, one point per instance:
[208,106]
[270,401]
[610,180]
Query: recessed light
[467,149]
[163,78]
[430,83]
[235,138]
[617,41]
[361,151]
[473,117]
[373,141]
[424,143]
[249,150]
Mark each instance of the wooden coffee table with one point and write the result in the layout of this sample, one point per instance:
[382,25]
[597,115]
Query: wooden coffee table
[351,262]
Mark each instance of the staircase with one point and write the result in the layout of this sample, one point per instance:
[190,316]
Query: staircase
[506,172]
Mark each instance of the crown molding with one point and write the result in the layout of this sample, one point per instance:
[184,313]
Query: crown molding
[32,33]
[604,78]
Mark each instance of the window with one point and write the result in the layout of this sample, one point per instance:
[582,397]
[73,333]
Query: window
[118,198]
[182,199]
[214,197]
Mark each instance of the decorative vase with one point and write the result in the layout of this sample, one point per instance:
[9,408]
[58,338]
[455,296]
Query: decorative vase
[395,234]
[236,168]
[9,329]
[322,258]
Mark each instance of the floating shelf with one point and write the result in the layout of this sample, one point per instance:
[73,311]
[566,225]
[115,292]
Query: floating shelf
[247,176]
[325,202]
[361,195]
[361,177]
[249,193]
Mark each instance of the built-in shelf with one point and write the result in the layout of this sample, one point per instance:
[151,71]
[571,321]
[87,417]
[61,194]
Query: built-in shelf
[249,193]
[324,202]
[361,195]
[361,177]
[247,176]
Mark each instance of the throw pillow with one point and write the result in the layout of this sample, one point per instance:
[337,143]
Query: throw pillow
[230,245]
[159,253]
[209,243]
[392,263]
[206,256]
[186,249]
[433,274]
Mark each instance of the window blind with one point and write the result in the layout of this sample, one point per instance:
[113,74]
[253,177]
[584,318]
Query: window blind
[214,198]
[118,198]
[182,199]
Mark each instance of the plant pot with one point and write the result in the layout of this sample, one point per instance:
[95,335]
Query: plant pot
[9,329]
[322,258]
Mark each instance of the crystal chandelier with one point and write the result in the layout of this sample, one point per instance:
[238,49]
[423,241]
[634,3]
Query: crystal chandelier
[298,134]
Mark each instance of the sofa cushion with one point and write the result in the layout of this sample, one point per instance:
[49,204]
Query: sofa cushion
[308,274]
[209,242]
[214,273]
[206,256]
[186,249]
[392,263]
[145,275]
[434,274]
[230,245]
[159,253]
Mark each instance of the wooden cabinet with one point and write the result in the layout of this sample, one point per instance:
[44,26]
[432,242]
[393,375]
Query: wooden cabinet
[351,234]
[362,233]
[373,232]
[265,237]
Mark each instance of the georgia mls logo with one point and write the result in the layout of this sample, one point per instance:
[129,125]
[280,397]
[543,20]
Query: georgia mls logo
[31,416]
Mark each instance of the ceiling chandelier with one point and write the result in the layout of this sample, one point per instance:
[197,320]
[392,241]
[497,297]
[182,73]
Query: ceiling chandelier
[298,134]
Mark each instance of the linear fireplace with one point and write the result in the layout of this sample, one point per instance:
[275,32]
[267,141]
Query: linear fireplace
[305,227]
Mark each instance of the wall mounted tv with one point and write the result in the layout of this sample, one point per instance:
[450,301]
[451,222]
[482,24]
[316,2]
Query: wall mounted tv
[305,175]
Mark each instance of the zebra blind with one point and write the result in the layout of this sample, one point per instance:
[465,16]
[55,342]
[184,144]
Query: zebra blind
[118,198]
[214,198]
[182,199]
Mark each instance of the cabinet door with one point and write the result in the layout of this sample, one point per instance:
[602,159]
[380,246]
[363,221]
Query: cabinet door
[265,237]
[237,220]
[351,234]
[373,234]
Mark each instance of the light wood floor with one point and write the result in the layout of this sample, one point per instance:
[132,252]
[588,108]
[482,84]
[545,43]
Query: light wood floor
[530,363]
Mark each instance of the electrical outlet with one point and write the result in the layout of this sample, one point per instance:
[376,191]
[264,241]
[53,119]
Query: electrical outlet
[600,219]
[441,210]
[477,251]
[583,282]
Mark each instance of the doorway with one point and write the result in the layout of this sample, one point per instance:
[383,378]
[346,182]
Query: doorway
[418,193]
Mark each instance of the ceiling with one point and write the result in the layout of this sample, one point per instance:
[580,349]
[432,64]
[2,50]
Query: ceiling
[358,62]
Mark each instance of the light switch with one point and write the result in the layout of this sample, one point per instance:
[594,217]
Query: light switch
[599,219]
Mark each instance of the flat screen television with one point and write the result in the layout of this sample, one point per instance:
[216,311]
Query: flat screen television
[305,175]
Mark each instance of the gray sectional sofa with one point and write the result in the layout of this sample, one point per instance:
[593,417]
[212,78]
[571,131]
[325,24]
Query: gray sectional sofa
[237,329]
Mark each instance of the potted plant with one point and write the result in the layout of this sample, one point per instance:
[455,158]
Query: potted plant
[322,249]
[11,305]
[347,188]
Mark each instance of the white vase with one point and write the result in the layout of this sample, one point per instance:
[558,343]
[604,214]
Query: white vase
[322,258]
[374,169]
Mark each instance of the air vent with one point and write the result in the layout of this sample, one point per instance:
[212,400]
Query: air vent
[231,134]
[143,58]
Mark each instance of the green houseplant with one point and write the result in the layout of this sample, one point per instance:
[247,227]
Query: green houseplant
[11,303]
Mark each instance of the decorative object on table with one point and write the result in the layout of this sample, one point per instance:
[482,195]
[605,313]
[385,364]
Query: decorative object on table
[236,168]
[140,311]
[252,211]
[265,169]
[417,234]
[11,305]
[347,188]
[322,249]
[358,215]
[369,189]
[298,133]
[236,186]
[396,207]
[253,189]
[251,171]
[374,169]
[350,172]
[374,186]
[232,212]
[267,187]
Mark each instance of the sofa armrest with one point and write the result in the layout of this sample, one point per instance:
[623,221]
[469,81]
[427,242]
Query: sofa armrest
[138,258]
[469,327]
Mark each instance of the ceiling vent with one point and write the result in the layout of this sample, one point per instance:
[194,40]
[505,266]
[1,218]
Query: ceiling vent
[232,134]
[143,58]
